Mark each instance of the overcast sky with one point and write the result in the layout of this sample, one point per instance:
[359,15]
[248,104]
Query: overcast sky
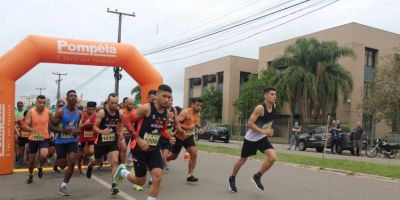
[159,23]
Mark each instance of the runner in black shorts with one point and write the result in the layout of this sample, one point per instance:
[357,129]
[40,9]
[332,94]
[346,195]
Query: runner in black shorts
[108,127]
[260,127]
[67,120]
[23,135]
[189,120]
[152,124]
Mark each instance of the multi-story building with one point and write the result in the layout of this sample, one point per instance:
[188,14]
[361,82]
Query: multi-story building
[225,74]
[370,46]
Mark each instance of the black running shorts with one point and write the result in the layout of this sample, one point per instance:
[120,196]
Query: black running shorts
[146,160]
[101,150]
[63,149]
[176,148]
[250,148]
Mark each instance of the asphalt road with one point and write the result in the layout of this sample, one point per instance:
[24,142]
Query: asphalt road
[282,182]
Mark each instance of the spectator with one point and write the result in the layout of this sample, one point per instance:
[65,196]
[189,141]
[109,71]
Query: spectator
[335,136]
[357,138]
[294,137]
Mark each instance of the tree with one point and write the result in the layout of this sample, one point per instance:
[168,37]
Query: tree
[137,95]
[310,78]
[251,92]
[212,104]
[383,99]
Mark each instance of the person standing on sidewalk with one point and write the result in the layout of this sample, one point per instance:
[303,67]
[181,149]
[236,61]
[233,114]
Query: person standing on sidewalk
[260,127]
[295,134]
[357,138]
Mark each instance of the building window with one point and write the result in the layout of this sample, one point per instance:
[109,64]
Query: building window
[370,63]
[244,76]
[269,64]
[220,81]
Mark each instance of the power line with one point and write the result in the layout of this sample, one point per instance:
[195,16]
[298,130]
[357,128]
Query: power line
[247,37]
[224,29]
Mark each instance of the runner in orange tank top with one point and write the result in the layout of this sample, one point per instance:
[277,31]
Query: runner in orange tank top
[189,121]
[37,123]
[129,116]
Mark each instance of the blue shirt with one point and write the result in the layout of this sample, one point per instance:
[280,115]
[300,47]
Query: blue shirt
[68,120]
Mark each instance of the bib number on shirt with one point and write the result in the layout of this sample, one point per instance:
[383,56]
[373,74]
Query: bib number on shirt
[66,136]
[24,134]
[108,138]
[151,139]
[38,137]
[125,131]
[87,134]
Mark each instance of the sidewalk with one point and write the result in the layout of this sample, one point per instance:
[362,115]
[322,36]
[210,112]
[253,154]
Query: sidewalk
[282,148]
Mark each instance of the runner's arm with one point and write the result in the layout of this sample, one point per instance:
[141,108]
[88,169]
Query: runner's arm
[96,126]
[181,118]
[28,121]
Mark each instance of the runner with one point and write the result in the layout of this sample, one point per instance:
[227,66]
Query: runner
[87,136]
[164,142]
[37,123]
[66,140]
[23,141]
[189,121]
[108,127]
[152,124]
[126,112]
[18,114]
[52,144]
[260,127]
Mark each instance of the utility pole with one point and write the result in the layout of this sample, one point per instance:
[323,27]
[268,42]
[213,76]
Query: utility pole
[117,70]
[40,90]
[58,81]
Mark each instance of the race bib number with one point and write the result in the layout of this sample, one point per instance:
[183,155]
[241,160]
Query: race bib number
[170,131]
[151,139]
[66,136]
[108,138]
[38,137]
[87,134]
[267,126]
[125,131]
[24,134]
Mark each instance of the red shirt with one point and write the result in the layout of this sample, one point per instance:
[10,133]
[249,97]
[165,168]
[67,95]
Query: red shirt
[87,134]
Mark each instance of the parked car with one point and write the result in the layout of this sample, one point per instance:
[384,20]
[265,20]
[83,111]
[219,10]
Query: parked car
[212,133]
[315,138]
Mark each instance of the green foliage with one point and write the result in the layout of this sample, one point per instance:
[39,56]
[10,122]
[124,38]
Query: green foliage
[137,96]
[212,105]
[311,79]
[383,97]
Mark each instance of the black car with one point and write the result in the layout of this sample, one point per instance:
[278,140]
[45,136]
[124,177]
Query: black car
[212,133]
[315,138]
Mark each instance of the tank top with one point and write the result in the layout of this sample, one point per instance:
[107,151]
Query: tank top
[109,121]
[40,122]
[193,119]
[68,120]
[130,115]
[87,134]
[150,127]
[263,122]
[22,128]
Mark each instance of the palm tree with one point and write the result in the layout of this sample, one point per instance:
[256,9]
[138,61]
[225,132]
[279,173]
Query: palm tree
[136,92]
[311,78]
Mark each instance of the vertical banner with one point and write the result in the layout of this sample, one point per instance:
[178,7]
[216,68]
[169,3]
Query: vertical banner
[6,126]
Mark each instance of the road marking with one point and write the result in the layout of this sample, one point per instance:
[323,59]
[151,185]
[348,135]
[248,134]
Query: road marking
[48,169]
[108,186]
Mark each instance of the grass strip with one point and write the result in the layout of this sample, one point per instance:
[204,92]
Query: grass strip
[386,170]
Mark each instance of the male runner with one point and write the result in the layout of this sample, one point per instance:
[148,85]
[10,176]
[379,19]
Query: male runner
[126,112]
[87,136]
[23,141]
[260,127]
[152,124]
[164,142]
[108,127]
[38,120]
[66,140]
[18,114]
[189,121]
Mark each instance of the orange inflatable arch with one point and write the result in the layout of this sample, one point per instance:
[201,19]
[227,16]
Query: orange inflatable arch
[36,49]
